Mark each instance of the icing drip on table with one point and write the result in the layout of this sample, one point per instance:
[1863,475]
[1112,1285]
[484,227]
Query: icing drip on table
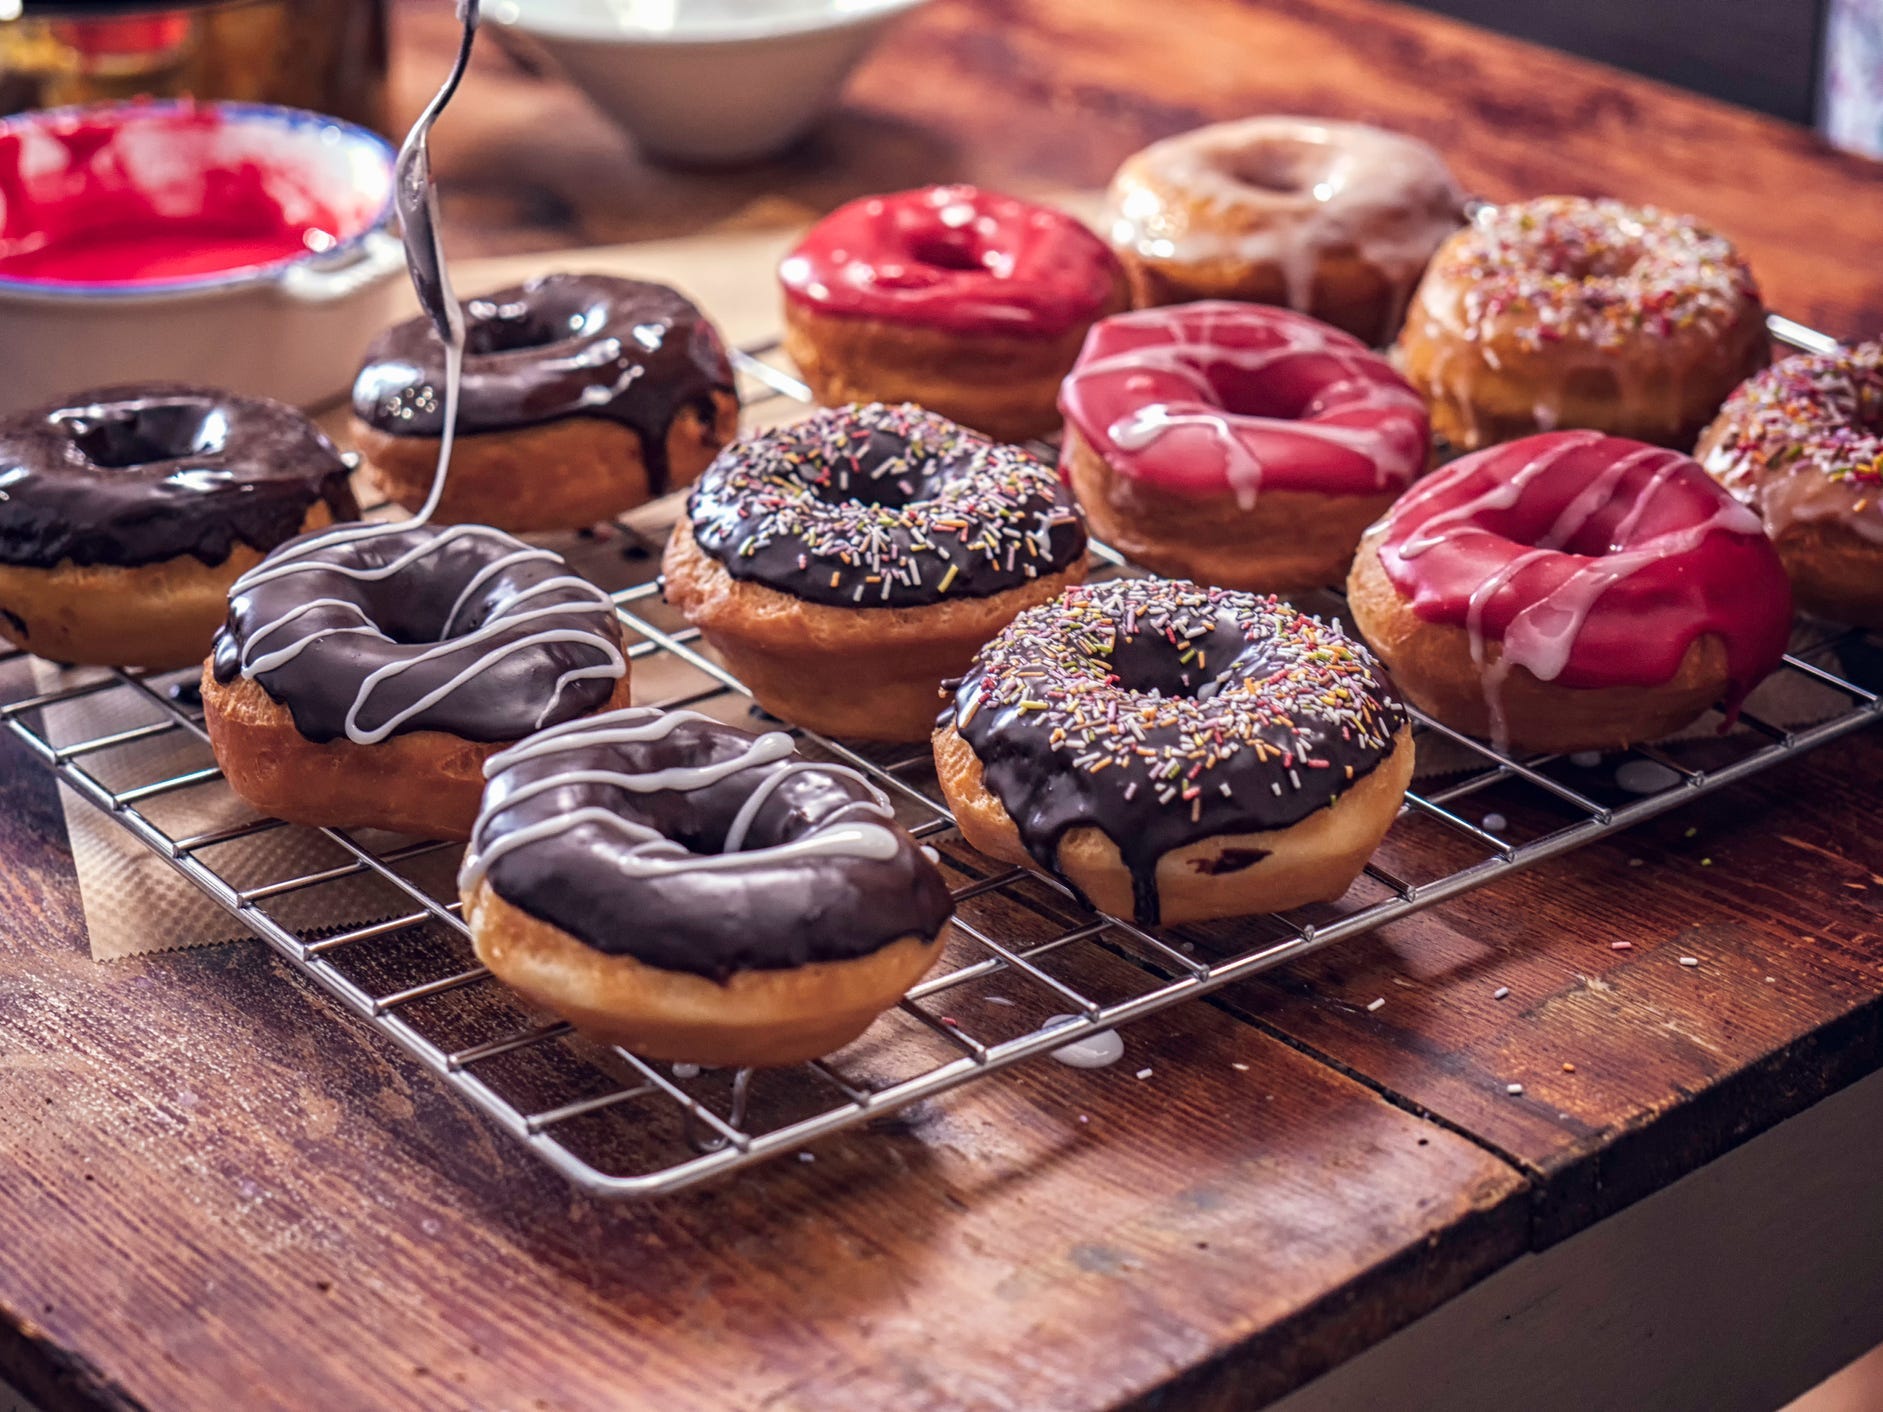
[127,476]
[1161,713]
[1217,398]
[728,851]
[883,507]
[1803,441]
[957,259]
[1593,561]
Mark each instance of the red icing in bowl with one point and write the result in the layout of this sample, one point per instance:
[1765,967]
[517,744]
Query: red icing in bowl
[134,196]
[1594,560]
[1218,398]
[953,258]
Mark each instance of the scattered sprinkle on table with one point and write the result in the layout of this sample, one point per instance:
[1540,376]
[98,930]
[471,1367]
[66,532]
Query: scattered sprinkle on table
[1690,960]
[1569,1068]
[1500,992]
[1240,1068]
[807,1157]
[1690,833]
[1374,1005]
[1494,822]
[1514,1090]
[999,1000]
[1771,980]
[1636,862]
[1706,862]
[1621,946]
[1144,1073]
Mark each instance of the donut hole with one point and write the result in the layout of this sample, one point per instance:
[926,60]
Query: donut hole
[946,249]
[547,317]
[1150,664]
[1283,166]
[887,470]
[125,435]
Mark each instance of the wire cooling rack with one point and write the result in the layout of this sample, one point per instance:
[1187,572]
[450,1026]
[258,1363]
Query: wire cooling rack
[1028,970]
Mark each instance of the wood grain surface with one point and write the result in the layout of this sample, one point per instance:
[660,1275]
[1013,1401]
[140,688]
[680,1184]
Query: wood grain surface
[219,1191]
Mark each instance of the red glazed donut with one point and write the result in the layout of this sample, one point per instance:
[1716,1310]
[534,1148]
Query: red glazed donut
[1236,444]
[1572,591]
[971,304]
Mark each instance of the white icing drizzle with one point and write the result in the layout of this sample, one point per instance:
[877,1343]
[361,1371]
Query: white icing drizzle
[1339,186]
[1194,346]
[651,854]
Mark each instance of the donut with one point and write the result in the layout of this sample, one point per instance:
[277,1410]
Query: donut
[1237,445]
[1331,219]
[843,566]
[1571,591]
[971,304]
[582,397]
[126,513]
[1176,753]
[1568,312]
[366,674]
[694,893]
[1802,444]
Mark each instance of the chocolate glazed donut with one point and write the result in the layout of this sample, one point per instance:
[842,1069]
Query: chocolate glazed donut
[128,511]
[878,545]
[583,396]
[696,893]
[1177,753]
[365,675]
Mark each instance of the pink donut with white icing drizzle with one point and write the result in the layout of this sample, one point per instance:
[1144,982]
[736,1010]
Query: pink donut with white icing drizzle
[1237,444]
[1592,562]
[1218,398]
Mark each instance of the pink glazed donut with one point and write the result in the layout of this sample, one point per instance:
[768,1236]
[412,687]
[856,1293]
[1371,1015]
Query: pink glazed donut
[1572,591]
[1237,444]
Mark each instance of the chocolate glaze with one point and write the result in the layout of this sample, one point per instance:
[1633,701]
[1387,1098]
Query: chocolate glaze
[649,875]
[883,507]
[535,644]
[560,346]
[137,475]
[1161,713]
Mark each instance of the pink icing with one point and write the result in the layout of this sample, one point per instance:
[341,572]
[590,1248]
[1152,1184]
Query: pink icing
[1220,398]
[1594,560]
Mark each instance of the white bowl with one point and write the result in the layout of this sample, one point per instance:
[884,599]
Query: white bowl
[291,329]
[705,81]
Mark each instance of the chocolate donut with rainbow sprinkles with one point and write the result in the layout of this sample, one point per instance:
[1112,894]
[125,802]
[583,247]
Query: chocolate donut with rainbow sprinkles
[846,564]
[1567,312]
[1177,753]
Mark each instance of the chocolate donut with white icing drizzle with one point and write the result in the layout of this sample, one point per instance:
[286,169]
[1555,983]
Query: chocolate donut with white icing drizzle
[696,893]
[1237,444]
[365,674]
[1333,219]
[555,370]
[1572,591]
[1191,729]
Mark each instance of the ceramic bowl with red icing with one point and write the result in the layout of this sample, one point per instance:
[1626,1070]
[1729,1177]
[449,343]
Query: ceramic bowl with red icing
[229,244]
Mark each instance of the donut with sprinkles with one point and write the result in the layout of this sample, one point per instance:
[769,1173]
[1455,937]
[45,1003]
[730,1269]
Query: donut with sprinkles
[1177,753]
[1571,312]
[1802,444]
[869,544]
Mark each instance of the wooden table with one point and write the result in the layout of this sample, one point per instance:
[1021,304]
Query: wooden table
[217,1191]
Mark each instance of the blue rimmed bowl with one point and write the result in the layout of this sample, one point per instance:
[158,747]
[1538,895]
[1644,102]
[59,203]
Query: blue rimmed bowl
[286,323]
